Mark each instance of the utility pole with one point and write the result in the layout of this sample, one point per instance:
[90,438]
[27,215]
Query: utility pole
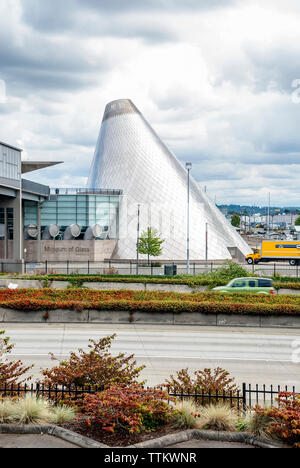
[269,214]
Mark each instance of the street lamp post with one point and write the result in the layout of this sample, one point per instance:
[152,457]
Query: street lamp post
[138,242]
[188,168]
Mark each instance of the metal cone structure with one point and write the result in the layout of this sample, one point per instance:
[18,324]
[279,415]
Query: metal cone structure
[129,156]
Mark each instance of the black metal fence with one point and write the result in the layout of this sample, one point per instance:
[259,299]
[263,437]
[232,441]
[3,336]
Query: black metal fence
[248,397]
[130,268]
[55,393]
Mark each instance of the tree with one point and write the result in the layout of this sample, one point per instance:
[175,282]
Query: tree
[297,222]
[236,220]
[150,243]
[10,371]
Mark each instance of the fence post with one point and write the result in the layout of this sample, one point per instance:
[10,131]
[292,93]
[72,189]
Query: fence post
[37,390]
[274,269]
[68,262]
[46,267]
[244,398]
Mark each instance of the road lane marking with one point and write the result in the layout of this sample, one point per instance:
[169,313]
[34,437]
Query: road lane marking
[176,358]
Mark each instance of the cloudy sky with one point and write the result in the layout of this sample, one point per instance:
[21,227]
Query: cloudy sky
[213,77]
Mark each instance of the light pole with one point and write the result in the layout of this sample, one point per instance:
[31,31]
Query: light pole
[138,242]
[206,243]
[188,168]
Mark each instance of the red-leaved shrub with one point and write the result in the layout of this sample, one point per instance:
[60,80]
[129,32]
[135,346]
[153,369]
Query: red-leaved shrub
[285,423]
[10,371]
[95,367]
[131,409]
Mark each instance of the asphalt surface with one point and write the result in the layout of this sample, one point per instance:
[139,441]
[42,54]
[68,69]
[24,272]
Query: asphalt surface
[256,356]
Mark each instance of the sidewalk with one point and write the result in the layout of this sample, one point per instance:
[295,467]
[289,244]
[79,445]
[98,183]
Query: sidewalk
[32,441]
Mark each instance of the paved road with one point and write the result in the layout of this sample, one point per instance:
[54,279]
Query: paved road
[257,356]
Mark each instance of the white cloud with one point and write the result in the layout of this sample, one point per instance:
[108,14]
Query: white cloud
[215,85]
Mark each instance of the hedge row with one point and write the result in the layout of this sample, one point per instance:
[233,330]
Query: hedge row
[96,296]
[28,300]
[287,285]
[80,280]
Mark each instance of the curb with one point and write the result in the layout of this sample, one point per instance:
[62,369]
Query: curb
[56,431]
[193,434]
[162,442]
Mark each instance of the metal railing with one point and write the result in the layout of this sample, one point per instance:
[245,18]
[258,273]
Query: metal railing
[155,268]
[246,398]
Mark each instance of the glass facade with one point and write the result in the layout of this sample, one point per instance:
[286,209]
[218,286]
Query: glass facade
[83,209]
[10,223]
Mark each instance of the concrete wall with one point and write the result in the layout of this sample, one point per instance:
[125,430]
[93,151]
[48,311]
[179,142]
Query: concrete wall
[168,318]
[10,249]
[72,250]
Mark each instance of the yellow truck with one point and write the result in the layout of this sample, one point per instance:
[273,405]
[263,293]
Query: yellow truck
[276,251]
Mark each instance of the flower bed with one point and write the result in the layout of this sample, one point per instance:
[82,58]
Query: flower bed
[207,303]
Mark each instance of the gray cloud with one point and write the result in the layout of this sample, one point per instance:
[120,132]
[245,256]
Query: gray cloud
[233,116]
[113,17]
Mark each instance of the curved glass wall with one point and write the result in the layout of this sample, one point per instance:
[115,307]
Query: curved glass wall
[84,210]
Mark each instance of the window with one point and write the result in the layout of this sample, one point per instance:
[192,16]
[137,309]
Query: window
[265,283]
[239,284]
[252,284]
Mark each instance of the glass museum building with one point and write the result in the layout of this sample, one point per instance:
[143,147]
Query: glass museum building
[135,181]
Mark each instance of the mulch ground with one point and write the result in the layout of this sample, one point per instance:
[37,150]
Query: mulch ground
[121,438]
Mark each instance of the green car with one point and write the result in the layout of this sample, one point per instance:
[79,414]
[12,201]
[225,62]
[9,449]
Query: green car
[248,285]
